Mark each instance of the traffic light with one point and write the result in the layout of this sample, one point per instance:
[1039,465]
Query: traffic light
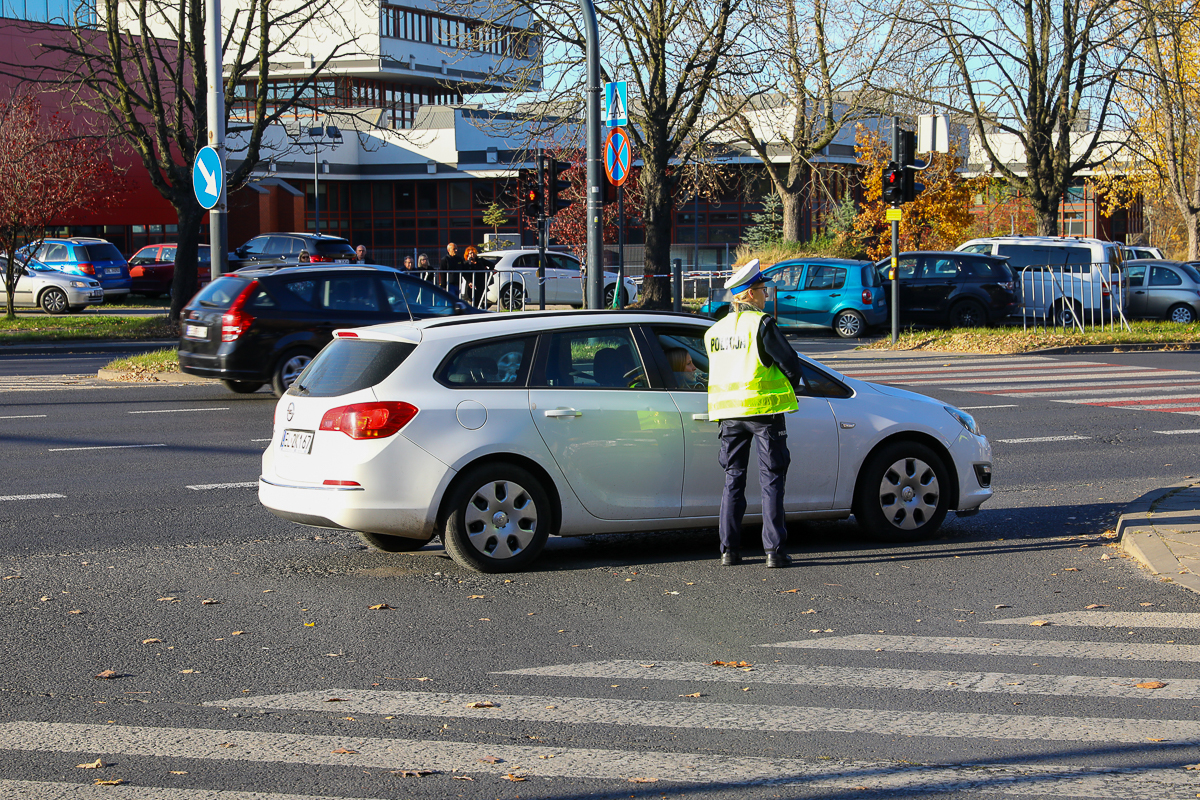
[554,168]
[892,180]
[909,188]
[531,197]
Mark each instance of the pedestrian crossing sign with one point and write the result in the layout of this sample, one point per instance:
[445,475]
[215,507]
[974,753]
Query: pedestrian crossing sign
[616,106]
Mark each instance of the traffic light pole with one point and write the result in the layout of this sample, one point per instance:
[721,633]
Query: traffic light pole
[895,273]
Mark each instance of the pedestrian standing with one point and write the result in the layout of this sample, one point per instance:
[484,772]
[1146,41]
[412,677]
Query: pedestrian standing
[408,265]
[451,269]
[474,278]
[360,254]
[753,375]
[424,268]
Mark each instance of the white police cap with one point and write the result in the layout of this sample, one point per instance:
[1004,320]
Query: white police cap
[748,274]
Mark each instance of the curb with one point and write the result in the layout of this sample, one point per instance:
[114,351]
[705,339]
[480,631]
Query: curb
[1133,347]
[1141,540]
[33,349]
[157,377]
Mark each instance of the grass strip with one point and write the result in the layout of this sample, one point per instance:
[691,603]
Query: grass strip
[144,365]
[1017,340]
[31,329]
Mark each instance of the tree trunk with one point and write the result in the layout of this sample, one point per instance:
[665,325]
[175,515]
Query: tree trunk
[656,286]
[1045,209]
[1192,220]
[184,284]
[793,214]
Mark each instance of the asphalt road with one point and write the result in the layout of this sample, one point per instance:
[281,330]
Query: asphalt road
[870,671]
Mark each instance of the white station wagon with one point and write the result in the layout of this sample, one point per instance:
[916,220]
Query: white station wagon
[496,431]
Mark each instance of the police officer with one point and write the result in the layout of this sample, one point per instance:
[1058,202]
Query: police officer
[753,375]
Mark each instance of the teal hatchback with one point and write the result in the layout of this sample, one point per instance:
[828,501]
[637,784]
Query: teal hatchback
[831,293]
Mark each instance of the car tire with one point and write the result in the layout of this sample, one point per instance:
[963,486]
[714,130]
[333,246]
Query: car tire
[288,368]
[1182,313]
[1060,315]
[903,493]
[968,314]
[389,543]
[243,387]
[497,518]
[849,324]
[511,297]
[54,301]
[610,292]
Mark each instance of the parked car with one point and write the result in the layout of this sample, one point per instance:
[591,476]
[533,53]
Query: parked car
[80,255]
[55,292]
[515,283]
[152,269]
[264,326]
[836,293]
[1063,278]
[284,249]
[496,431]
[955,289]
[1141,251]
[1161,289]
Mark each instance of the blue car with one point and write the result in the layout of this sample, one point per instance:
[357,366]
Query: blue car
[837,293]
[80,255]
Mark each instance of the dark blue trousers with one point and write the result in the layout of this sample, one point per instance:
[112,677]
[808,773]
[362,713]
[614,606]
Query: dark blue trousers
[770,432]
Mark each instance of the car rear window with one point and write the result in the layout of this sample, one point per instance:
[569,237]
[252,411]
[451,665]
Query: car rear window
[334,248]
[102,252]
[349,365]
[986,268]
[221,293]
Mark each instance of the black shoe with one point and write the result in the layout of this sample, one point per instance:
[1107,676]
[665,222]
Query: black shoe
[778,560]
[730,558]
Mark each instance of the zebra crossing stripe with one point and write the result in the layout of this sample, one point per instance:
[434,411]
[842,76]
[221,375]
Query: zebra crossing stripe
[458,758]
[1037,439]
[968,646]
[731,716]
[874,678]
[1111,619]
[1018,378]
[1026,373]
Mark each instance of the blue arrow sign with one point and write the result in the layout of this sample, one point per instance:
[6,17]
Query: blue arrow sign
[208,177]
[616,104]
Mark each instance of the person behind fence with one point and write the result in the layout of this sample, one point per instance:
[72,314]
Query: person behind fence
[752,380]
[407,265]
[424,269]
[360,254]
[686,374]
[473,278]
[450,269]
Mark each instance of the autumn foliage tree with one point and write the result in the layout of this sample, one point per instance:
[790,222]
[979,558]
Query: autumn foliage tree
[938,219]
[48,171]
[569,226]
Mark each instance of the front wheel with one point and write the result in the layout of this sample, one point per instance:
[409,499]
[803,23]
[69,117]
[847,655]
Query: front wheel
[903,493]
[497,519]
[54,301]
[391,544]
[287,369]
[1062,317]
[968,314]
[243,387]
[511,297]
[1182,314]
[849,324]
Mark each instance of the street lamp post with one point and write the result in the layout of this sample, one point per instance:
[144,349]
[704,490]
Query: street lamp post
[319,135]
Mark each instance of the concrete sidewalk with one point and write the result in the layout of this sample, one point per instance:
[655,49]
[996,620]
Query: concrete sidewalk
[1161,529]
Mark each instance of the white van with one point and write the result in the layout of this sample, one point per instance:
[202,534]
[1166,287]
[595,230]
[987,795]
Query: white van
[1063,279]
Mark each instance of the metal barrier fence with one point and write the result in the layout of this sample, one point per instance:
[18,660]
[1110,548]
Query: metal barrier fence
[1073,296]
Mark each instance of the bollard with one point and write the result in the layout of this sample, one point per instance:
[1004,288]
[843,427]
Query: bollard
[677,285]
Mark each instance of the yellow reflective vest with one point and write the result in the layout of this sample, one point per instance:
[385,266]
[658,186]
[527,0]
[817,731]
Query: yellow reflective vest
[739,384]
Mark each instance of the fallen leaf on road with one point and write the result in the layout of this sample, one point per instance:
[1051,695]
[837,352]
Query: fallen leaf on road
[643,780]
[1145,604]
[75,611]
[670,592]
[97,764]
[647,666]
[342,751]
[476,597]
[179,772]
[186,671]
[511,777]
[44,598]
[482,704]
[422,679]
[1040,623]
[414,773]
[548,755]
[1003,606]
[208,601]
[108,675]
[1095,605]
[11,577]
[462,778]
[310,624]
[1156,740]
[168,600]
[1191,766]
[810,611]
[693,694]
[335,700]
[238,633]
[381,607]
[492,760]
[111,782]
[1151,685]
[1070,569]
[151,641]
[730,664]
[785,591]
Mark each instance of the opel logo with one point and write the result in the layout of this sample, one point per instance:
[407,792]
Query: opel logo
[291,411]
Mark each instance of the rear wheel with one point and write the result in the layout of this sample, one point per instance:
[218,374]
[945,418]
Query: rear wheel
[287,369]
[497,519]
[392,544]
[610,292]
[1182,314]
[968,314]
[902,493]
[849,324]
[511,297]
[1061,316]
[243,387]
[54,301]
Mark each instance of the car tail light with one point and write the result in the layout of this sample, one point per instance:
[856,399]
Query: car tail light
[368,420]
[235,321]
[867,297]
[345,335]
[319,259]
[86,268]
[332,482]
[1104,291]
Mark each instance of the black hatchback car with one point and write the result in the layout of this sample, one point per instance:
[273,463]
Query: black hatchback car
[959,290]
[264,326]
[290,249]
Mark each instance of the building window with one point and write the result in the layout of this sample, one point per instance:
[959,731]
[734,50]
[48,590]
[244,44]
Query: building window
[398,101]
[398,22]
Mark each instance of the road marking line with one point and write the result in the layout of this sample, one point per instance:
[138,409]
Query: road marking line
[260,440]
[1176,433]
[876,678]
[104,447]
[969,646]
[177,410]
[1003,382]
[729,716]
[32,496]
[243,485]
[1036,439]
[458,758]
[1102,387]
[1014,373]
[1111,619]
[25,416]
[976,408]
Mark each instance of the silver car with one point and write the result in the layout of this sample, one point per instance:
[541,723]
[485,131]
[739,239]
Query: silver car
[494,431]
[56,292]
[1161,289]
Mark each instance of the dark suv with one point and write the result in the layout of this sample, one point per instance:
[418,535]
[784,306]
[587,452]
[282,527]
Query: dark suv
[289,249]
[954,289]
[264,326]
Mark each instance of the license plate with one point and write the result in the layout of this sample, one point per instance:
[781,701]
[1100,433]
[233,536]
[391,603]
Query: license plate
[195,331]
[341,261]
[112,270]
[296,441]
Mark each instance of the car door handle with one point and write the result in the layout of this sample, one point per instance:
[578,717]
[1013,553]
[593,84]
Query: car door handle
[703,418]
[787,297]
[563,412]
[836,294]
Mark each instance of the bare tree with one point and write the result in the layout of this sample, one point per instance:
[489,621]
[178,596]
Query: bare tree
[1044,72]
[671,51]
[143,68]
